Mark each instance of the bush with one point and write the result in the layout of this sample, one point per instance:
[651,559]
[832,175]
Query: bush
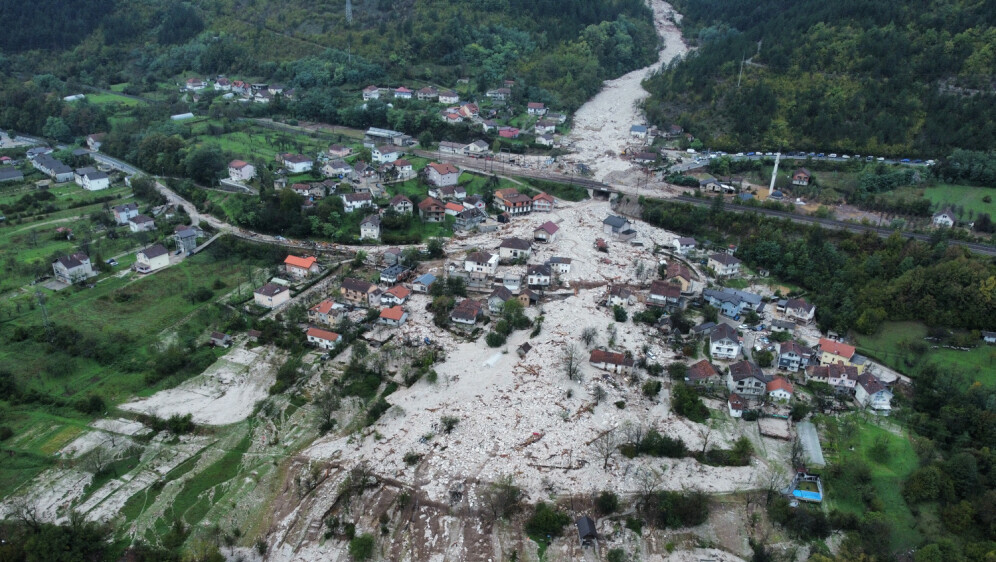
[687,403]
[494,339]
[619,313]
[657,445]
[607,502]
[677,509]
[651,388]
[635,525]
[616,555]
[6,433]
[677,371]
[449,423]
[362,547]
[411,457]
[547,521]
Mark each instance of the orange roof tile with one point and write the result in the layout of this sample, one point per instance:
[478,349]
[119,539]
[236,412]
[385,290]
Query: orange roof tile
[323,334]
[780,383]
[393,313]
[399,291]
[837,348]
[305,263]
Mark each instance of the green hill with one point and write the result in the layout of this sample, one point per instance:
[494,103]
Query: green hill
[890,78]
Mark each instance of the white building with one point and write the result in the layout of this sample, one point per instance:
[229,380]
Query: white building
[724,342]
[239,170]
[370,228]
[271,295]
[322,339]
[151,259]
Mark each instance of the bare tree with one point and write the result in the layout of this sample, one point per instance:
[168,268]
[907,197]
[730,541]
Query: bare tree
[606,445]
[571,362]
[327,403]
[588,335]
[598,393]
[501,498]
[649,481]
[634,432]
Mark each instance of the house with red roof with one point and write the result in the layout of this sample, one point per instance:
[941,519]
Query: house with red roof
[396,295]
[835,352]
[535,108]
[327,312]
[322,339]
[431,210]
[543,202]
[780,389]
[611,361]
[442,174]
[301,267]
[703,373]
[393,316]
[403,93]
[240,170]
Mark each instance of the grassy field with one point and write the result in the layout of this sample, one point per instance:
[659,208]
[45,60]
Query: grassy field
[257,143]
[856,439]
[105,99]
[969,198]
[887,346]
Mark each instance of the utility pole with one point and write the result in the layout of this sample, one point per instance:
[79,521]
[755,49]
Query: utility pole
[774,173]
[48,326]
[741,71]
[349,11]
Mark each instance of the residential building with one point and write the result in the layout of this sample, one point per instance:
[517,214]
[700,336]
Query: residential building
[186,239]
[477,148]
[871,393]
[240,170]
[732,302]
[638,131]
[793,356]
[271,295]
[780,389]
[449,96]
[665,294]
[611,361]
[397,294]
[801,177]
[724,343]
[322,339]
[94,141]
[945,219]
[544,126]
[724,265]
[680,275]
[393,274]
[559,265]
[746,379]
[339,151]
[835,352]
[337,168]
[72,268]
[466,312]
[499,94]
[297,163]
[124,213]
[442,175]
[449,193]
[11,174]
[53,168]
[151,259]
[96,180]
[431,210]
[514,248]
[800,310]
[141,223]
[357,291]
[423,283]
[511,278]
[539,276]
[684,245]
[469,218]
[403,93]
[616,225]
[354,201]
[427,93]
[195,84]
[535,108]
[401,204]
[481,262]
[327,313]
[619,296]
[545,140]
[386,153]
[546,232]
[78,174]
[371,93]
[543,202]
[843,378]
[736,405]
[447,147]
[989,337]
[370,228]
[453,209]
[393,316]
[513,202]
[703,373]
[220,339]
[498,298]
[299,267]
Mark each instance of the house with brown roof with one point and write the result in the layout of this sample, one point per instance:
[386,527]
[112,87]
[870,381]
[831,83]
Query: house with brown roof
[453,209]
[357,291]
[339,151]
[240,170]
[296,163]
[449,96]
[539,275]
[560,265]
[431,210]
[498,298]
[535,108]
[611,361]
[393,316]
[401,204]
[299,267]
[736,405]
[680,275]
[354,201]
[513,202]
[370,228]
[800,310]
[442,174]
[665,294]
[151,259]
[724,343]
[141,223]
[871,393]
[546,232]
[72,268]
[746,379]
[793,356]
[427,93]
[703,373]
[619,295]
[543,202]
[514,248]
[371,93]
[724,265]
[481,262]
[396,295]
[271,295]
[466,312]
[220,339]
[841,377]
[801,177]
[327,313]
[780,389]
[322,339]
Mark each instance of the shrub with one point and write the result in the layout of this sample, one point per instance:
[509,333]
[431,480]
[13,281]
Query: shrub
[620,404]
[635,525]
[547,521]
[411,457]
[362,547]
[607,502]
[494,339]
[449,423]
[651,388]
[687,403]
[616,555]
[619,313]
[657,445]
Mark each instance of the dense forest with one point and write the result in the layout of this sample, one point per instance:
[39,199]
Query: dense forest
[890,78]
[563,48]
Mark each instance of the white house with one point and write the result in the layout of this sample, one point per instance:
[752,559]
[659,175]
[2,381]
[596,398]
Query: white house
[449,96]
[354,201]
[638,131]
[271,295]
[535,108]
[386,153]
[538,276]
[544,126]
[746,379]
[481,262]
[96,180]
[297,163]
[371,93]
[780,389]
[123,213]
[546,232]
[543,202]
[871,393]
[401,204]
[396,295]
[800,310]
[442,175]
[620,296]
[467,312]
[72,268]
[322,339]
[736,405]
[393,316]
[944,219]
[195,84]
[370,227]
[724,265]
[611,361]
[724,343]
[151,259]
[683,245]
[447,147]
[240,170]
[423,283]
[141,223]
[514,248]
[299,267]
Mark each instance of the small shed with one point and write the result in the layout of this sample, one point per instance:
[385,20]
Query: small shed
[586,530]
[523,349]
[219,339]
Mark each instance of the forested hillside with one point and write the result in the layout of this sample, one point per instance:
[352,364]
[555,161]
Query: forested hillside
[563,48]
[891,78]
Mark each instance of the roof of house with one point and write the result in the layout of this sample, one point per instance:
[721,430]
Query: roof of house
[140,219]
[611,357]
[538,269]
[96,175]
[429,202]
[549,227]
[686,241]
[675,269]
[586,527]
[72,260]
[535,105]
[324,307]
[800,303]
[544,196]
[444,168]
[455,207]
[372,219]
[704,327]
[559,259]
[296,158]
[220,336]
[270,290]
[426,279]
[516,244]
[834,370]
[399,291]
[358,285]
[322,334]
[802,171]
[870,383]
[725,259]
[398,199]
[744,369]
[615,221]
[393,313]
[780,383]
[296,261]
[11,173]
[620,291]
[946,213]
[736,402]
[502,293]
[126,207]
[837,348]
[155,251]
[734,296]
[724,331]
[793,347]
[357,197]
[393,271]
[702,370]
[665,289]
[479,257]
[238,164]
[467,309]
[638,129]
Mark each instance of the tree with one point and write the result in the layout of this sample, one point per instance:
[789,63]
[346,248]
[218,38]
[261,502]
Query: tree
[588,335]
[571,360]
[57,129]
[619,313]
[362,547]
[764,358]
[205,164]
[607,502]
[606,445]
[501,498]
[327,403]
